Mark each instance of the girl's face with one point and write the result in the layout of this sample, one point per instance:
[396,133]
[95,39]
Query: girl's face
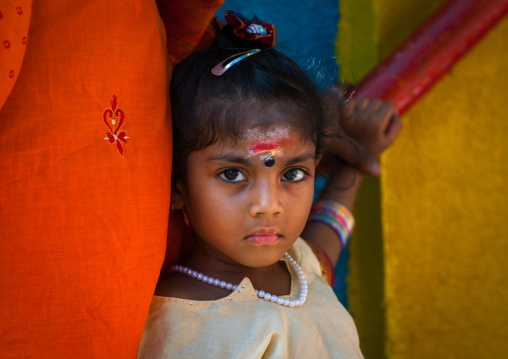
[249,201]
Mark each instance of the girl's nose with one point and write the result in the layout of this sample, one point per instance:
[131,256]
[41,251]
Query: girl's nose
[265,199]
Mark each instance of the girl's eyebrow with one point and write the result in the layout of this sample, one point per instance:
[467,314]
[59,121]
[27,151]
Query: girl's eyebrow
[229,158]
[309,156]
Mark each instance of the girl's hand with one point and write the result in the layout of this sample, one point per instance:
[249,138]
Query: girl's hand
[373,123]
[365,129]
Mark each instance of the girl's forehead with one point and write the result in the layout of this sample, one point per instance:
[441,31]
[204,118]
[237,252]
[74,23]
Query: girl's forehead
[270,139]
[272,133]
[265,138]
[266,143]
[269,120]
[266,126]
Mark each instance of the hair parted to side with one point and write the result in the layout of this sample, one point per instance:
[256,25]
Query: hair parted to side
[207,109]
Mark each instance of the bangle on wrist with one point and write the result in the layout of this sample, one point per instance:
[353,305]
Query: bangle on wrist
[334,215]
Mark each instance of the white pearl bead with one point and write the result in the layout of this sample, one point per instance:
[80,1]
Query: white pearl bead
[205,278]
[211,280]
[200,276]
[223,284]
[267,296]
[216,282]
[229,286]
[286,302]
[280,300]
[261,294]
[274,298]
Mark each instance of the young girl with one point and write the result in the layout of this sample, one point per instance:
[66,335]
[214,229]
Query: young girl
[248,134]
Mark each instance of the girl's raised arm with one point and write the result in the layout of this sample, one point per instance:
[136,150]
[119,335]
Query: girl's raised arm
[364,125]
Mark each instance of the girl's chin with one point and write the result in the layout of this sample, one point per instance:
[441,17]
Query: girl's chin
[266,257]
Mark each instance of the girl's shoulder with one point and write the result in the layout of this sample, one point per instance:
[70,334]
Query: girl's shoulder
[172,286]
[302,253]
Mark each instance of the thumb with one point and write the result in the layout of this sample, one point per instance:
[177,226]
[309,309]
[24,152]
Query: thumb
[366,162]
[355,153]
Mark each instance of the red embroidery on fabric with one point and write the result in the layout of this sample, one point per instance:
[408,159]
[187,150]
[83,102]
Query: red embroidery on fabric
[113,118]
[19,10]
[23,40]
[7,44]
[11,74]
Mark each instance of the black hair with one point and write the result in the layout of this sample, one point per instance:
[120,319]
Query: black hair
[208,109]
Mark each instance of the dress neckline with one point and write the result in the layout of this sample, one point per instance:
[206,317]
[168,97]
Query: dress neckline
[245,290]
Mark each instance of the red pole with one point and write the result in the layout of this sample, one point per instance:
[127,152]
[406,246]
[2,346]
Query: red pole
[431,51]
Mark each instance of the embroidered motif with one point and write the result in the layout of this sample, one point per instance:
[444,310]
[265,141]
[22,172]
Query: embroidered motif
[113,118]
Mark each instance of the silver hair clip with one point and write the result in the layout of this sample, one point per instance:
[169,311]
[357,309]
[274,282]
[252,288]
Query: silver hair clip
[223,66]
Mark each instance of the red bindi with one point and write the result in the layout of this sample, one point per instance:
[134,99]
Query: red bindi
[270,144]
[262,146]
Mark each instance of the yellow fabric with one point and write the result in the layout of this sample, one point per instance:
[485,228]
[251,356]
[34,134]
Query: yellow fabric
[248,327]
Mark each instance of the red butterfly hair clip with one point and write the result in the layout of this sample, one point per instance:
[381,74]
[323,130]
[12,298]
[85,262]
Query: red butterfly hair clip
[263,35]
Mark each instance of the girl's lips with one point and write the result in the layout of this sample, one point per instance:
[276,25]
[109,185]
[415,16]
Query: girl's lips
[262,239]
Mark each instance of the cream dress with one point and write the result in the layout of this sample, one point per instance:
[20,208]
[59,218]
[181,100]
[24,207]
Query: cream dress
[243,326]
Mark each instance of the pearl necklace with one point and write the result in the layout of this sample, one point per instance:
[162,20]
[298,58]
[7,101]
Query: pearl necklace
[261,294]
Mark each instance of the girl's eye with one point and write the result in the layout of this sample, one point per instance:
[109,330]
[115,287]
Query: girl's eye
[294,175]
[233,175]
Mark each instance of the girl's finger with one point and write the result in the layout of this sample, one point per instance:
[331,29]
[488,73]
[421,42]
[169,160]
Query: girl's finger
[385,115]
[355,153]
[393,128]
[374,107]
[386,111]
[362,104]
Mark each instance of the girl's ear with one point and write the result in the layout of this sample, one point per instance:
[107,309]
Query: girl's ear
[177,201]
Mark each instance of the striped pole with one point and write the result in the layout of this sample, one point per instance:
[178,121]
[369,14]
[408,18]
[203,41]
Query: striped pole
[431,51]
